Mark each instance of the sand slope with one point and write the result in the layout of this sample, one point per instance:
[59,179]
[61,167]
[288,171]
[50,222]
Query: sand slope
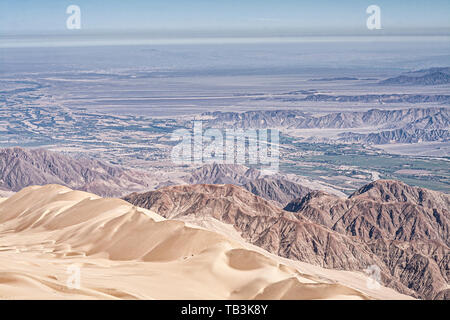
[126,252]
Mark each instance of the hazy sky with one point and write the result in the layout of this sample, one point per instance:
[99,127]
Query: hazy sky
[210,15]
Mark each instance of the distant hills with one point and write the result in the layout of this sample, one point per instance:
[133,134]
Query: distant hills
[335,79]
[401,229]
[437,118]
[424,77]
[215,173]
[432,76]
[21,167]
[377,98]
[401,125]
[397,136]
[277,188]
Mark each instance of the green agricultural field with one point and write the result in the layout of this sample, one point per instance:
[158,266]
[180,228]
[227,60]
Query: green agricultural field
[353,165]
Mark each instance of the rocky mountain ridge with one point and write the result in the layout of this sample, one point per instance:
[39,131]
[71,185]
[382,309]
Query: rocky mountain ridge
[420,118]
[21,167]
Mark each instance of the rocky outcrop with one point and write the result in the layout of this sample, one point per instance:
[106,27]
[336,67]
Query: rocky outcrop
[407,227]
[279,190]
[216,173]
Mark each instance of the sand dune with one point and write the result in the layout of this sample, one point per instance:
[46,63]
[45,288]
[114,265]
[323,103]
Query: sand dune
[124,252]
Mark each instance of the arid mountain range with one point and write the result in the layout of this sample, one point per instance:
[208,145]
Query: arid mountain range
[401,229]
[397,136]
[387,126]
[20,168]
[431,76]
[423,118]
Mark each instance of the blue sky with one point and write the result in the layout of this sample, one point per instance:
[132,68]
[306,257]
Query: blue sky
[210,15]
